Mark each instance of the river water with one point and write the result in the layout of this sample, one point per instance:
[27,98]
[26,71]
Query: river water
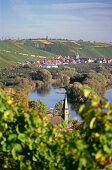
[51,95]
[108,95]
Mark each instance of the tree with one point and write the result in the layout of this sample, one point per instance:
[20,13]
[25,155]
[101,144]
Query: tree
[59,108]
[42,75]
[39,106]
[75,92]
[29,141]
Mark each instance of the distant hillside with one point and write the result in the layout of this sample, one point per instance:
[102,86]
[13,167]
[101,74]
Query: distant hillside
[21,47]
[51,48]
[85,49]
[70,48]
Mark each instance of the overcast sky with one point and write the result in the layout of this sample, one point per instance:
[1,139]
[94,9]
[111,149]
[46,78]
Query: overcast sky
[72,19]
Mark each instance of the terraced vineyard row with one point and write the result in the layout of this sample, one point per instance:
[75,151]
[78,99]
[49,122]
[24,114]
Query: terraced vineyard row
[50,48]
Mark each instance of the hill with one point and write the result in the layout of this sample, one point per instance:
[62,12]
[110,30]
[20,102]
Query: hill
[85,49]
[7,58]
[70,48]
[50,48]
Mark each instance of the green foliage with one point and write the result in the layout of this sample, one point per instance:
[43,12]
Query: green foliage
[86,68]
[68,71]
[85,49]
[15,76]
[56,74]
[59,107]
[66,74]
[93,83]
[79,77]
[1,84]
[98,76]
[38,106]
[64,48]
[42,75]
[94,75]
[98,80]
[15,46]
[60,48]
[97,114]
[29,141]
[21,97]
[75,92]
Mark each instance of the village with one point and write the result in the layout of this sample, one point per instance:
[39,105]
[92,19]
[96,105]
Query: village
[54,62]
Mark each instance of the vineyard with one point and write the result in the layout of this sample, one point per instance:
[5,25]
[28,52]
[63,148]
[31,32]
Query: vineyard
[29,141]
[43,41]
[52,48]
[20,47]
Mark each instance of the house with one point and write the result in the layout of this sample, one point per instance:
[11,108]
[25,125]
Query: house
[56,120]
[48,66]
[109,61]
[90,60]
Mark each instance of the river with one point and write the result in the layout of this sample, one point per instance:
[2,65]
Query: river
[51,95]
[108,95]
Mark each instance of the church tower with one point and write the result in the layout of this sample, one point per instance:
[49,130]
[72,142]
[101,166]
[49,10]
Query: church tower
[77,55]
[66,111]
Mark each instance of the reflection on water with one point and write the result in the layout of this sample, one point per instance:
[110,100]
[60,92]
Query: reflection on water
[51,95]
[75,107]
[44,90]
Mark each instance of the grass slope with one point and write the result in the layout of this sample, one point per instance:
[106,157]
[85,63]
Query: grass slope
[85,49]
[52,48]
[11,58]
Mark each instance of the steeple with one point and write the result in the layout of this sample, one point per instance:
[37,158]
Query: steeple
[66,112]
[77,55]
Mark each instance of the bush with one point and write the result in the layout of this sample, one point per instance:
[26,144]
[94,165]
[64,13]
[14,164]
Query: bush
[42,75]
[29,141]
[75,93]
[39,106]
[97,114]
[59,108]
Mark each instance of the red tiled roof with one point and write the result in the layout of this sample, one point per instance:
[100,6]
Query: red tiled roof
[56,120]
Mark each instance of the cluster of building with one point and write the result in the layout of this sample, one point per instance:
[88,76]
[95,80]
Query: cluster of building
[59,60]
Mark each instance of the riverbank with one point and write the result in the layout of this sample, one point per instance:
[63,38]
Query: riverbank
[51,95]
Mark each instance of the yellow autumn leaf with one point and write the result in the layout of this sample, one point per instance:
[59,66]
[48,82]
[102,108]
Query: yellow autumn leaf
[87,92]
[1,134]
[6,113]
[103,158]
[92,122]
[9,101]
[98,154]
[81,108]
[97,135]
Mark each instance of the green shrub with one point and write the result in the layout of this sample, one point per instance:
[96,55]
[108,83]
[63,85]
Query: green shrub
[29,141]
[38,105]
